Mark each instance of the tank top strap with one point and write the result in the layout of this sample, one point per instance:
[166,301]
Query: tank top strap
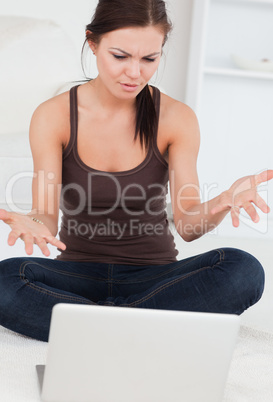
[156,99]
[73,120]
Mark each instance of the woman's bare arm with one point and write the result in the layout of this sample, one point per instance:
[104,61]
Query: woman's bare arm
[49,133]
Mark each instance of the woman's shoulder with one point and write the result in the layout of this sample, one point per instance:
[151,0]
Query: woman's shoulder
[56,107]
[175,111]
[52,118]
[177,120]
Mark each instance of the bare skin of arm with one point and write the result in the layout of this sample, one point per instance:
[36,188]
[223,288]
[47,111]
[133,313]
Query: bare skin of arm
[49,130]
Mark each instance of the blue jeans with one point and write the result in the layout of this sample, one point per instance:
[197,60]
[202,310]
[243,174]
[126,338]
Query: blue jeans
[227,280]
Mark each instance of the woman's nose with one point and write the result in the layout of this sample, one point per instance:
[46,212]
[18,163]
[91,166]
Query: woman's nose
[133,70]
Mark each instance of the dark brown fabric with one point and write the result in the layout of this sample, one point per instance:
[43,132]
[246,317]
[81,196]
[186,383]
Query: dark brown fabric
[116,217]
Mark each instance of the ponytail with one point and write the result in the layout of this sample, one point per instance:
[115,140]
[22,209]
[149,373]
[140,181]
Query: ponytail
[146,118]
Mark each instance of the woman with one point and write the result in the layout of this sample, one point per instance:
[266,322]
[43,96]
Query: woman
[111,145]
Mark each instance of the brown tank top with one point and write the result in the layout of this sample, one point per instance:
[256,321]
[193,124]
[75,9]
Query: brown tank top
[115,217]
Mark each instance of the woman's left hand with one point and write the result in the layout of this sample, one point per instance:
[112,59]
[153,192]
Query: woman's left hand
[243,194]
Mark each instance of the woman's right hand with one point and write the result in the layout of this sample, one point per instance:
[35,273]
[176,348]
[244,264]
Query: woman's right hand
[31,232]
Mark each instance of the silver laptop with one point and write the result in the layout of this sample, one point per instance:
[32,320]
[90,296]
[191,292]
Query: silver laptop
[119,354]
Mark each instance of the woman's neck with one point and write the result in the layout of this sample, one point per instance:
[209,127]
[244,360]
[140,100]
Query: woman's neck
[107,100]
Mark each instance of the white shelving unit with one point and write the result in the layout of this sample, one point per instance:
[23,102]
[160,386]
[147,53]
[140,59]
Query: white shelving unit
[234,106]
[233,72]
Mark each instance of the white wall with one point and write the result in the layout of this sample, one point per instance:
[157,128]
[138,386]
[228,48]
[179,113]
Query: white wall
[73,16]
[173,72]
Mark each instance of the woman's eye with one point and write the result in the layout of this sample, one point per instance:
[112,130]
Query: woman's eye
[119,57]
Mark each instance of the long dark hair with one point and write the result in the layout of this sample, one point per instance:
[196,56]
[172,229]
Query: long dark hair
[117,14]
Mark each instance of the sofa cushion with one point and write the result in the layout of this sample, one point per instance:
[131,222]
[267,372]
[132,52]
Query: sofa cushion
[37,58]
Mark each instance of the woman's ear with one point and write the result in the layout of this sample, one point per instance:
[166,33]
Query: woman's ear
[91,44]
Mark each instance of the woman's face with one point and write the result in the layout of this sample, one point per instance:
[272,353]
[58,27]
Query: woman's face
[127,59]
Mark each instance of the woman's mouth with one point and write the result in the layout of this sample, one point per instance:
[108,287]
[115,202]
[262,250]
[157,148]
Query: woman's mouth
[129,87]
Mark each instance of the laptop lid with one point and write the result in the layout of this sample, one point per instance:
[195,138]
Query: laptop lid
[118,354]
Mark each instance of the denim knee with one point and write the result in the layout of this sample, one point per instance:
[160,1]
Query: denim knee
[5,273]
[9,279]
[10,267]
[247,274]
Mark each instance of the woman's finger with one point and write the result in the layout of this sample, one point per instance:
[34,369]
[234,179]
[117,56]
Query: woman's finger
[13,237]
[4,215]
[41,243]
[28,240]
[55,242]
[235,213]
[260,203]
[264,176]
[251,211]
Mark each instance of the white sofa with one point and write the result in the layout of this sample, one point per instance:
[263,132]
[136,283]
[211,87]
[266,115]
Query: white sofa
[37,61]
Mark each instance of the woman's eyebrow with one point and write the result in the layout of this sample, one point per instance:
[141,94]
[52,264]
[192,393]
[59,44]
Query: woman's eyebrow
[128,54]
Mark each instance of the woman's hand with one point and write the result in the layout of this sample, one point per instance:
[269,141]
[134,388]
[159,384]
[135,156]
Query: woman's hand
[243,194]
[30,232]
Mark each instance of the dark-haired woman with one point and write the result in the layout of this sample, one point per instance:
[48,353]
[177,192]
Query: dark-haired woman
[111,145]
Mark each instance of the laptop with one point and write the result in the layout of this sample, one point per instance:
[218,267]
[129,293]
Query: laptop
[121,354]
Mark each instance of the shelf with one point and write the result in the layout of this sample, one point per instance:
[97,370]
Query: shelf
[233,72]
[258,2]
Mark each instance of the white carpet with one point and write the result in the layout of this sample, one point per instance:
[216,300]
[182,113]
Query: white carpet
[251,372]
[18,357]
[250,377]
